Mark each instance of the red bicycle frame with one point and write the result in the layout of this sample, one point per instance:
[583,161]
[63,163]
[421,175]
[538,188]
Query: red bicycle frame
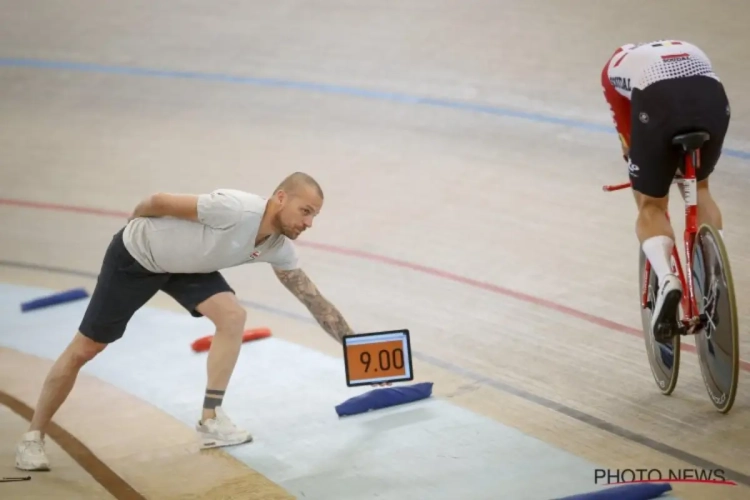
[690,316]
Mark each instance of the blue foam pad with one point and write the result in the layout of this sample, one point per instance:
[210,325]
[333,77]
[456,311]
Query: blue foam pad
[54,299]
[383,398]
[642,491]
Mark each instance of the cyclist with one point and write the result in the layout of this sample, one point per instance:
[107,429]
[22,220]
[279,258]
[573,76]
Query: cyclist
[657,90]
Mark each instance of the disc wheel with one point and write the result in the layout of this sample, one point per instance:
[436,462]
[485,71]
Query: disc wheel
[717,343]
[663,357]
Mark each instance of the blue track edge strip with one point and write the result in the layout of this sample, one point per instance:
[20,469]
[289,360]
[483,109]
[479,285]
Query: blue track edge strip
[324,88]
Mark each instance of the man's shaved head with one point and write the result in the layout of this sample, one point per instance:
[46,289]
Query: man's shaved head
[292,184]
[296,202]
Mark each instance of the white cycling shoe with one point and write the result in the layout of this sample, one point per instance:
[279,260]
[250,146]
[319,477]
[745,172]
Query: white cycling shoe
[666,309]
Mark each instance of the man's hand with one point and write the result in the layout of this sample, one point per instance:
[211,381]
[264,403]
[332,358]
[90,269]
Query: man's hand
[181,206]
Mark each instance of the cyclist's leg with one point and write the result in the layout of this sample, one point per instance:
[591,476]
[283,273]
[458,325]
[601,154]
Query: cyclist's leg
[653,164]
[654,232]
[715,114]
[708,209]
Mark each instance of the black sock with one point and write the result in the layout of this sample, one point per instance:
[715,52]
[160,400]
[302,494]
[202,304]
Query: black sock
[212,399]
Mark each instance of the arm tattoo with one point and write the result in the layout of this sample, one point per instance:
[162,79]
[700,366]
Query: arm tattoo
[327,316]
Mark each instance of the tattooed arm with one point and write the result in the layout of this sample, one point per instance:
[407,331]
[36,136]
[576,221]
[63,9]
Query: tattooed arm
[327,316]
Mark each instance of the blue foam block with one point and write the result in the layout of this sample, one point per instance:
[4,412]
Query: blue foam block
[54,299]
[643,491]
[383,398]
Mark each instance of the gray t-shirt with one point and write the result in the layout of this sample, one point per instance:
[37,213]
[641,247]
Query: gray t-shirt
[224,237]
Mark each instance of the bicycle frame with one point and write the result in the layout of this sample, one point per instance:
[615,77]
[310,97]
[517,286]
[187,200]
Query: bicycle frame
[690,316]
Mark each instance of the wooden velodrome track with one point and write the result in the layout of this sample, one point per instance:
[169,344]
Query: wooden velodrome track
[461,146]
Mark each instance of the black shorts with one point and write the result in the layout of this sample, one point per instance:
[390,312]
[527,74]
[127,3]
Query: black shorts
[124,286]
[667,108]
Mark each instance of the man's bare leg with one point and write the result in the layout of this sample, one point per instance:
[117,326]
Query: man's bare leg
[708,210]
[229,319]
[222,358]
[655,233]
[657,241]
[61,378]
[56,389]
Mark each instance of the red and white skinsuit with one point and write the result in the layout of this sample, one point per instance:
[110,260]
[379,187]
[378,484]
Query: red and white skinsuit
[638,66]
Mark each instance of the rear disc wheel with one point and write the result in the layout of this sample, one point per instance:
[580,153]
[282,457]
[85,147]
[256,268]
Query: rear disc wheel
[717,343]
[663,357]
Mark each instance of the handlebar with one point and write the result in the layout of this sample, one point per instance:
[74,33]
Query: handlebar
[616,187]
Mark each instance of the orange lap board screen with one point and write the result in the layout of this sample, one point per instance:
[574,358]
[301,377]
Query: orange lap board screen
[376,360]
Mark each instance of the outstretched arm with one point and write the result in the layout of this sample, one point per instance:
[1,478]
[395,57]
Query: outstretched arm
[327,316]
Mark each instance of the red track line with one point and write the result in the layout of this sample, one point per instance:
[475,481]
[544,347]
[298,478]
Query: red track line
[55,207]
[438,273]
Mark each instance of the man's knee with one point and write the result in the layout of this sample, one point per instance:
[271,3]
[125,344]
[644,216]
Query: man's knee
[224,311]
[82,350]
[233,319]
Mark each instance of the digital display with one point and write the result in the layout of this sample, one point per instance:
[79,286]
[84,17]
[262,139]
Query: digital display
[372,358]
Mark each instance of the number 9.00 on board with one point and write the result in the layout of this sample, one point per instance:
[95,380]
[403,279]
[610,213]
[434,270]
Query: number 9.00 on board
[376,360]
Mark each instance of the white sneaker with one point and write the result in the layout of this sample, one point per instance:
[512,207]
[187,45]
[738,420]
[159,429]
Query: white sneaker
[30,453]
[666,308]
[220,431]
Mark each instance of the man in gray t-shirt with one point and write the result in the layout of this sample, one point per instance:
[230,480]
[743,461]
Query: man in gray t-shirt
[178,244]
[223,236]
